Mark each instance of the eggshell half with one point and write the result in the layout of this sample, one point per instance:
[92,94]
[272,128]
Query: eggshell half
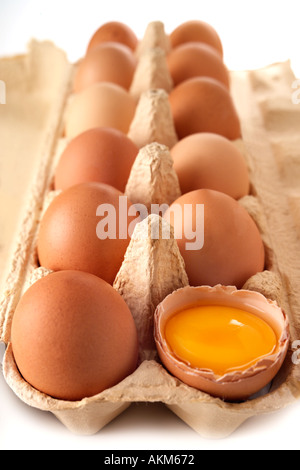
[236,385]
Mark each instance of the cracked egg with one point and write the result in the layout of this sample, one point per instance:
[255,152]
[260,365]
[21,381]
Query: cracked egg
[226,342]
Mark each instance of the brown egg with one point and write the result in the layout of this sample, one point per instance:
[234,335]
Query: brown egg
[100,105]
[204,105]
[102,155]
[196,31]
[219,241]
[210,161]
[86,228]
[232,342]
[108,62]
[73,336]
[195,59]
[116,32]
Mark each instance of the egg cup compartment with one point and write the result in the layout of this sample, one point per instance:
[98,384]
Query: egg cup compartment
[160,270]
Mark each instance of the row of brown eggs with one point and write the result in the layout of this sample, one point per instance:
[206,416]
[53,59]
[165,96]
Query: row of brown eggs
[196,51]
[73,335]
[200,100]
[202,160]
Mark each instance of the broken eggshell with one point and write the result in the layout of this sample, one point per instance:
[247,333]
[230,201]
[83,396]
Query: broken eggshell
[236,385]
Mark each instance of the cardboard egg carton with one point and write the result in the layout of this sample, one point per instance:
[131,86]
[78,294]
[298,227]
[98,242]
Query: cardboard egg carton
[153,267]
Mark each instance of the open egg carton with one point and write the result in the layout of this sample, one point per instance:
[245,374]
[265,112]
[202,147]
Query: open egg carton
[152,269]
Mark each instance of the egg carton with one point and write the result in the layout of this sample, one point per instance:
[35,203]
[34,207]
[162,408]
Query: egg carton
[154,268]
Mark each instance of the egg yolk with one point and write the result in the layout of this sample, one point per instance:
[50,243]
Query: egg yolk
[221,339]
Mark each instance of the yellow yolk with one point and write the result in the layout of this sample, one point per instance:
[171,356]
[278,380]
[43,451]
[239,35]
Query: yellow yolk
[222,339]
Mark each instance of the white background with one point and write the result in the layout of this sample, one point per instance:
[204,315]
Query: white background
[254,34]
